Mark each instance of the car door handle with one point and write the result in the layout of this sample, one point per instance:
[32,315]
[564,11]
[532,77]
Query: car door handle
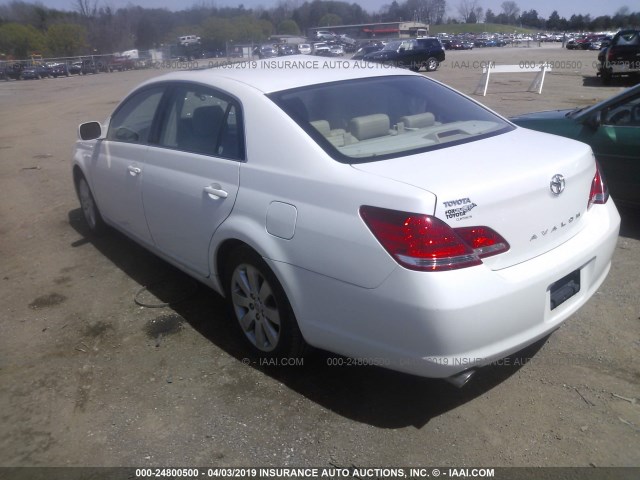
[215,191]
[133,171]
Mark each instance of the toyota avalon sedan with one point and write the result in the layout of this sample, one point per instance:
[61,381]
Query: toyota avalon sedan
[370,212]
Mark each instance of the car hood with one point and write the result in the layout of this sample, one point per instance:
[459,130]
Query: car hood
[504,182]
[546,115]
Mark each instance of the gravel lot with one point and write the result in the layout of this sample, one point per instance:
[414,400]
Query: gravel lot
[90,378]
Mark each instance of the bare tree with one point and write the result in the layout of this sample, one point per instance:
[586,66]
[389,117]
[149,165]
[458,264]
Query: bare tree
[86,8]
[511,10]
[467,9]
[479,12]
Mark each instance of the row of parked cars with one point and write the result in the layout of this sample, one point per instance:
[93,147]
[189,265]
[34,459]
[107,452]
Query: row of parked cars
[414,53]
[588,42]
[39,70]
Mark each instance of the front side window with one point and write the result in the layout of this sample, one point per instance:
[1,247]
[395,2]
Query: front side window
[132,121]
[377,118]
[626,114]
[203,121]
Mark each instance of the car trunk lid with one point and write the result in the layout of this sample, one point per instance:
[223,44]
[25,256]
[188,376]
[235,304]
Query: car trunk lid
[529,187]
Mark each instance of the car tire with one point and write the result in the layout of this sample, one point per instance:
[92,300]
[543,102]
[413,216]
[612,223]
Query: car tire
[90,211]
[431,64]
[606,75]
[260,307]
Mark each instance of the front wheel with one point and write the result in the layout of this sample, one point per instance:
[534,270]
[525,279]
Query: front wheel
[260,306]
[89,208]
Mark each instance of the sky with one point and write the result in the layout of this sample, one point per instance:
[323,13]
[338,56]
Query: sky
[543,7]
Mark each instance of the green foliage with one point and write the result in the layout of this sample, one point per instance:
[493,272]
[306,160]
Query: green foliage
[66,40]
[329,20]
[216,31]
[21,41]
[288,27]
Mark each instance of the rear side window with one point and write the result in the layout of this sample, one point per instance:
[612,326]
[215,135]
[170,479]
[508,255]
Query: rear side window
[429,43]
[132,121]
[203,121]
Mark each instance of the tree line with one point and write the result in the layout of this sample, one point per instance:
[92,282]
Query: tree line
[471,11]
[91,27]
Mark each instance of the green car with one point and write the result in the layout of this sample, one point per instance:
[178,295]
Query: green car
[611,128]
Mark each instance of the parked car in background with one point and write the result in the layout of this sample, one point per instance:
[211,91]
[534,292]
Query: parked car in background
[286,49]
[88,66]
[187,40]
[59,70]
[621,56]
[304,48]
[11,70]
[121,64]
[374,213]
[573,44]
[336,50]
[266,51]
[325,35]
[75,68]
[362,51]
[611,128]
[35,72]
[321,49]
[414,54]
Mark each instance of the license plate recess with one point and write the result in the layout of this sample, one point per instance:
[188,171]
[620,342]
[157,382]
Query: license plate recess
[564,289]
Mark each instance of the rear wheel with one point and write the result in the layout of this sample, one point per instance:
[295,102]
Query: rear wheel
[431,64]
[90,210]
[606,75]
[261,307]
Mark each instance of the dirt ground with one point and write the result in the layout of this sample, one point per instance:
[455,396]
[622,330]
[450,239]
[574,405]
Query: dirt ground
[90,378]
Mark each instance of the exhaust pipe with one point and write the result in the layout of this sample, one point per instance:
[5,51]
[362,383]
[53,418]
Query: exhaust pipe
[459,380]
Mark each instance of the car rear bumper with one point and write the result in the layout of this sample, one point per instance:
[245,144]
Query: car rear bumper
[437,324]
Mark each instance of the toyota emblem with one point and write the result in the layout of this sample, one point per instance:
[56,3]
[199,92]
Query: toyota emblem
[557,184]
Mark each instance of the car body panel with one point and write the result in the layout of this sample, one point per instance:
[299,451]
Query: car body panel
[182,216]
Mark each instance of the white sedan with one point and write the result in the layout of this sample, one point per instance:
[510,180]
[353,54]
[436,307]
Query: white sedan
[367,211]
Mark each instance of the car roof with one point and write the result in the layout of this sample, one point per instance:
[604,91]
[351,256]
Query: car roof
[274,75]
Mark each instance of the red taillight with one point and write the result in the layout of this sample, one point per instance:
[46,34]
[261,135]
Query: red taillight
[484,241]
[423,242]
[599,191]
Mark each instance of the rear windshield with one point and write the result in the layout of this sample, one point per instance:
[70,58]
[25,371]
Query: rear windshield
[629,38]
[373,119]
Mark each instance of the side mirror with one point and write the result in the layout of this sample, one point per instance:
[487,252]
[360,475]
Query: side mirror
[90,131]
[593,121]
